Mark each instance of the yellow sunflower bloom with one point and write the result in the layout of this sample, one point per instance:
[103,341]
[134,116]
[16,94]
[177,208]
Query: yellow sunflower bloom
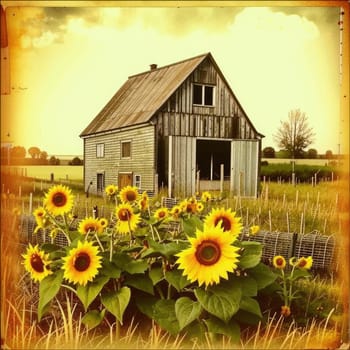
[127,219]
[279,262]
[59,200]
[36,262]
[200,207]
[175,211]
[253,230]
[206,196]
[143,203]
[82,263]
[210,257]
[103,222]
[228,219]
[304,263]
[129,194]
[110,190]
[161,213]
[90,224]
[41,219]
[285,310]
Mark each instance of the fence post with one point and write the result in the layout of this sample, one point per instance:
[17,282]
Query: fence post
[30,203]
[221,178]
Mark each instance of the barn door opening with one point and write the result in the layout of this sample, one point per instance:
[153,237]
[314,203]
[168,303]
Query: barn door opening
[209,155]
[124,179]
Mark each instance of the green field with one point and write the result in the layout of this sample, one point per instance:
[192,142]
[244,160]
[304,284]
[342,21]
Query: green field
[60,172]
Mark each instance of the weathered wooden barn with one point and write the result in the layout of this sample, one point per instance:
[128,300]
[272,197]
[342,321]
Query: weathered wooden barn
[180,127]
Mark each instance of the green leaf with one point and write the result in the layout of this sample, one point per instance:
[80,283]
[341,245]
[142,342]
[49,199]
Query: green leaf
[262,275]
[187,311]
[110,269]
[93,318]
[141,282]
[156,274]
[116,302]
[249,286]
[251,254]
[164,249]
[48,289]
[190,225]
[88,293]
[251,305]
[164,315]
[176,279]
[145,305]
[230,329]
[299,273]
[128,264]
[221,300]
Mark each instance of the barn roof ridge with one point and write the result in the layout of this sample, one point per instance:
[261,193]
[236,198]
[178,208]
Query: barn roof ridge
[170,65]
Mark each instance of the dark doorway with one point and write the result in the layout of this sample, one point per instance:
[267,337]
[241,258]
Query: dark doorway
[209,155]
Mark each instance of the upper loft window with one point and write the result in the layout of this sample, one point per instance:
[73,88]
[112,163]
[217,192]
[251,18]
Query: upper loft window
[203,95]
[100,150]
[126,149]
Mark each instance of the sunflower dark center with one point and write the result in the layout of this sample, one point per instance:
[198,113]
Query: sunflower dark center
[90,227]
[124,214]
[37,263]
[225,223]
[130,196]
[279,262]
[82,262]
[208,253]
[302,263]
[59,199]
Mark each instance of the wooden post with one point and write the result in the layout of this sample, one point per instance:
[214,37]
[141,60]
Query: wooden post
[19,191]
[30,203]
[170,170]
[156,189]
[198,181]
[221,178]
[211,167]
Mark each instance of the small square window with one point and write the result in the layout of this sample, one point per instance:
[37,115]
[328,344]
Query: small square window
[126,149]
[137,181]
[100,150]
[203,95]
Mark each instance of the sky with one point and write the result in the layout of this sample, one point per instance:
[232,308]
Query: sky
[66,63]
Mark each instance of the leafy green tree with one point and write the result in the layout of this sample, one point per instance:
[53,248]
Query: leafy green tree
[18,152]
[43,155]
[294,134]
[34,152]
[54,161]
[329,154]
[268,152]
[76,161]
[312,153]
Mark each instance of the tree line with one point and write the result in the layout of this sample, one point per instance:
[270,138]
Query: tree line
[17,155]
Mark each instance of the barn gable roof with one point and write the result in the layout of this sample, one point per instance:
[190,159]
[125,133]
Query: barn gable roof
[141,96]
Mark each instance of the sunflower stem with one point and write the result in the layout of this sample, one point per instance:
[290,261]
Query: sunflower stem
[69,288]
[111,248]
[99,242]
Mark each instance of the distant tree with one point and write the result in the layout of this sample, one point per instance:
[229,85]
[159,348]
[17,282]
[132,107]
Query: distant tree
[18,152]
[268,152]
[329,154]
[34,152]
[54,161]
[76,161]
[43,155]
[312,153]
[294,134]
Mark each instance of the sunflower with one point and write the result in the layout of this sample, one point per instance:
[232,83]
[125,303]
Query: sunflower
[59,200]
[161,213]
[228,219]
[103,222]
[200,207]
[206,196]
[127,219]
[41,219]
[110,190]
[210,256]
[253,230]
[285,310]
[279,262]
[36,263]
[175,211]
[189,205]
[129,194]
[143,203]
[82,263]
[90,224]
[304,263]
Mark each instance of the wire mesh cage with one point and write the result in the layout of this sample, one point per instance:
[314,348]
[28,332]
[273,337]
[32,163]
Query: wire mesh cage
[320,247]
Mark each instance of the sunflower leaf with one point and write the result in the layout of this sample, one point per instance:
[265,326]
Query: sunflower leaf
[164,315]
[88,293]
[156,274]
[250,305]
[230,329]
[176,279]
[128,264]
[262,275]
[251,255]
[93,318]
[48,289]
[187,311]
[191,224]
[222,300]
[116,302]
[141,282]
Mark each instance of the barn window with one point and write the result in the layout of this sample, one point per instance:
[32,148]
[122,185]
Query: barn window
[137,181]
[100,150]
[126,149]
[203,95]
